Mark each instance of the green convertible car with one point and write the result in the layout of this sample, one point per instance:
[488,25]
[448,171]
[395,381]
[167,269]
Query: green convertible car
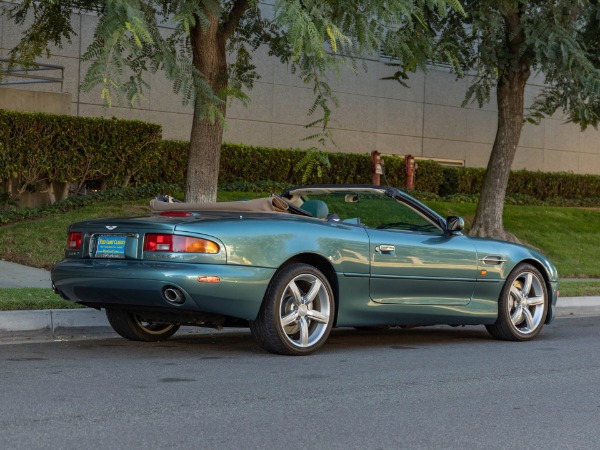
[293,266]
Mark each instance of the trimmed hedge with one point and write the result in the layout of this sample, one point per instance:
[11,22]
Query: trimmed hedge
[248,168]
[55,149]
[37,147]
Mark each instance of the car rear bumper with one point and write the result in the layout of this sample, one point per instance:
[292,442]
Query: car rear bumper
[238,292]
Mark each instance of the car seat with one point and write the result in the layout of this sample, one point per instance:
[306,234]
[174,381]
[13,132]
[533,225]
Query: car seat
[317,208]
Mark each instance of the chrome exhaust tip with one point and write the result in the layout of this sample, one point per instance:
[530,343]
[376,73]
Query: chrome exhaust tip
[173,295]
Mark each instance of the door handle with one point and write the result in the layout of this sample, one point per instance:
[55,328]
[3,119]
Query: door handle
[384,248]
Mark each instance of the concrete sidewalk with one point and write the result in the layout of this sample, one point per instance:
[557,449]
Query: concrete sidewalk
[72,323]
[18,276]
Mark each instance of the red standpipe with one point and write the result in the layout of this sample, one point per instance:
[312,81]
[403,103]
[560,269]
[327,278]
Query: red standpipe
[409,167]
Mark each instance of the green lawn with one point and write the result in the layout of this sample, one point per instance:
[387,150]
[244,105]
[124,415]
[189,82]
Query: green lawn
[570,237]
[32,298]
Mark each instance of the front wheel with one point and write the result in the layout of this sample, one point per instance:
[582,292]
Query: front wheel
[522,306]
[133,327]
[297,313]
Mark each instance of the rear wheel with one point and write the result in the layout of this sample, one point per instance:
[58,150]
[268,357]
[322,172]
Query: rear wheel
[133,327]
[297,312]
[522,306]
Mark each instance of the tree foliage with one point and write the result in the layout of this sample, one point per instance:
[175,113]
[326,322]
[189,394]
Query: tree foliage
[501,43]
[135,38]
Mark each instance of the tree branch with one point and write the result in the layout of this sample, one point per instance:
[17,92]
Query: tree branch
[234,17]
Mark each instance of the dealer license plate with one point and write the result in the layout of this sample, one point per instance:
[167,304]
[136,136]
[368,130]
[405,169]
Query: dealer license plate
[111,246]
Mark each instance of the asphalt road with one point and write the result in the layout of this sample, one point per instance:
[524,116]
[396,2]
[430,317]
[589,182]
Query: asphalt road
[433,388]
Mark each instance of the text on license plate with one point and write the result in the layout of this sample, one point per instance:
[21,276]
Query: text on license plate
[111,246]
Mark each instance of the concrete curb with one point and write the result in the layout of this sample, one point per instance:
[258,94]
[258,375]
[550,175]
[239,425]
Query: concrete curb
[63,323]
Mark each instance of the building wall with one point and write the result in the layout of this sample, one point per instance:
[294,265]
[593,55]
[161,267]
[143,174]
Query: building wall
[425,120]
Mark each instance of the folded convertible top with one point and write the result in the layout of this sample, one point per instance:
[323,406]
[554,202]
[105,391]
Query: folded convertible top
[267,204]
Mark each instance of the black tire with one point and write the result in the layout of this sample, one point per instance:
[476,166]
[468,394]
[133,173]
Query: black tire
[132,327]
[289,325]
[522,306]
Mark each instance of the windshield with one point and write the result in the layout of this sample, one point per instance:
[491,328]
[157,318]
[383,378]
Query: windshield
[371,209]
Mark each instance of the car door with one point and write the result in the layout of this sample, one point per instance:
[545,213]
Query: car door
[413,262]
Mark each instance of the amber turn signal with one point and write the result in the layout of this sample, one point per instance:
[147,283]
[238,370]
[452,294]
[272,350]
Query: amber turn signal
[178,244]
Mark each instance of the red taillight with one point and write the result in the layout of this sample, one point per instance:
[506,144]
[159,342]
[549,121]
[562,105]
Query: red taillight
[74,241]
[158,243]
[176,214]
[178,244]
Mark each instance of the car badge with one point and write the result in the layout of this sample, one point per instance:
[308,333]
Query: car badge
[111,227]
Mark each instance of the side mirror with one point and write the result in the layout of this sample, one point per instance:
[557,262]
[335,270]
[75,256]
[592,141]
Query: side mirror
[455,224]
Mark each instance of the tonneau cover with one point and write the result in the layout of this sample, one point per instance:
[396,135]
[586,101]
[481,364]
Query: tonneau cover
[267,204]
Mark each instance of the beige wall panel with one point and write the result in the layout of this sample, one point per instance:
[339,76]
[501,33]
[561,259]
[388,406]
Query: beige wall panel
[531,93]
[399,145]
[265,64]
[248,132]
[160,96]
[441,88]
[291,105]
[290,136]
[440,148]
[93,97]
[528,158]
[399,117]
[445,122]
[175,126]
[477,155]
[491,105]
[589,164]
[353,141]
[361,82]
[88,26]
[70,76]
[533,135]
[355,112]
[561,136]
[259,108]
[3,29]
[537,79]
[282,76]
[481,125]
[35,101]
[119,113]
[560,161]
[394,90]
[589,141]
[11,35]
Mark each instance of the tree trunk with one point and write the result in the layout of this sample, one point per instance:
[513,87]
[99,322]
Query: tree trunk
[209,57]
[511,99]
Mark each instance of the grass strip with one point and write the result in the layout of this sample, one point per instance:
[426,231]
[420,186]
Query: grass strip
[579,289]
[13,299]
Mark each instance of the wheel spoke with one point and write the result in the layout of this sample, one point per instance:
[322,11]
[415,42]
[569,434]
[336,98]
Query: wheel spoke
[517,317]
[528,319]
[289,319]
[303,332]
[533,301]
[293,287]
[317,316]
[515,292]
[312,293]
[527,285]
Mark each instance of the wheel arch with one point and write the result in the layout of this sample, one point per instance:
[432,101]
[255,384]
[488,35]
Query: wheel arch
[321,263]
[544,271]
[541,268]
